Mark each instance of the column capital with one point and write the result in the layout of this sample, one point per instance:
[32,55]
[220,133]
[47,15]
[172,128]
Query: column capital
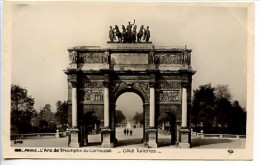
[184,84]
[106,84]
[152,84]
[74,83]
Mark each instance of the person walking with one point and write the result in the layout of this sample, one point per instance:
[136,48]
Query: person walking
[131,132]
[127,131]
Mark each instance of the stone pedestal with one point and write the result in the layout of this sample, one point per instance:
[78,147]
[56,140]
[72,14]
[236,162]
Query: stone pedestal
[152,142]
[184,138]
[106,138]
[74,138]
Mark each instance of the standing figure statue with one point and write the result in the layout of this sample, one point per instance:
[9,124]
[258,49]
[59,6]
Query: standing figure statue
[129,31]
[134,33]
[74,57]
[146,34]
[140,34]
[111,34]
[118,34]
[124,34]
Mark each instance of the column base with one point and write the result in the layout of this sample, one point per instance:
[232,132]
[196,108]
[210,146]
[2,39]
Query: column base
[106,134]
[74,138]
[184,138]
[152,138]
[184,145]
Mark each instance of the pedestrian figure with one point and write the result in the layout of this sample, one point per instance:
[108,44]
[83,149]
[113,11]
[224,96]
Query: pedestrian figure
[127,131]
[131,132]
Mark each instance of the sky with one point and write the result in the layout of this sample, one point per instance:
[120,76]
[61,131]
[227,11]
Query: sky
[41,34]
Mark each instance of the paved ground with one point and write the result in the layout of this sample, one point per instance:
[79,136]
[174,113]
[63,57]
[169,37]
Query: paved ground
[134,141]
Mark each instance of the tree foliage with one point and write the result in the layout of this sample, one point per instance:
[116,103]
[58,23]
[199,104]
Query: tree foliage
[138,118]
[22,110]
[61,114]
[120,117]
[203,105]
[46,118]
[222,91]
[213,107]
[91,120]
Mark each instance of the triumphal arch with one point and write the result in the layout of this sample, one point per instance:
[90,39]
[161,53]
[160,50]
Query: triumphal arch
[97,76]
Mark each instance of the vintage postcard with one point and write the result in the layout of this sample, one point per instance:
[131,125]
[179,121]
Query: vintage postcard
[96,80]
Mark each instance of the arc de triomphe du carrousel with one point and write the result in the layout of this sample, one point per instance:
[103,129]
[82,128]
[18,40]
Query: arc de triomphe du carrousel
[97,76]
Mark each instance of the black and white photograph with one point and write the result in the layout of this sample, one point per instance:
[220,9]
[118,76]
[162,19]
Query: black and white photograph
[96,80]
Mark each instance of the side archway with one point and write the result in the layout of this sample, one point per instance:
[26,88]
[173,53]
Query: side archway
[166,126]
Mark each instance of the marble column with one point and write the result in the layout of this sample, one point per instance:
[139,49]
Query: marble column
[74,131]
[106,130]
[106,107]
[152,107]
[184,131]
[184,108]
[152,131]
[74,107]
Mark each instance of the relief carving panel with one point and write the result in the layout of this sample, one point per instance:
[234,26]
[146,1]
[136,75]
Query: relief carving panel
[169,58]
[91,95]
[116,85]
[93,57]
[173,58]
[170,85]
[169,96]
[91,85]
[144,86]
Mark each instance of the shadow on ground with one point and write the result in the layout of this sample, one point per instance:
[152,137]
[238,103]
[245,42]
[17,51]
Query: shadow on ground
[127,142]
[200,142]
[164,143]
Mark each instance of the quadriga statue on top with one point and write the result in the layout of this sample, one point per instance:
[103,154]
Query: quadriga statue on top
[129,34]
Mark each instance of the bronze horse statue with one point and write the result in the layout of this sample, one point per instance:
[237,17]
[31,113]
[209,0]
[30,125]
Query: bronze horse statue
[118,34]
[140,34]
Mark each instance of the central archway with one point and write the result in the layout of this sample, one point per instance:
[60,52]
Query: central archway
[130,101]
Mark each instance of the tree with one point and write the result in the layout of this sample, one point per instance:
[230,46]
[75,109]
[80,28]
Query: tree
[47,119]
[20,101]
[91,121]
[223,108]
[223,91]
[120,117]
[22,110]
[214,108]
[61,114]
[203,106]
[138,118]
[237,116]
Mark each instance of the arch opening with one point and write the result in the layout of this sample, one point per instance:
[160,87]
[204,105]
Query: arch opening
[166,126]
[129,118]
[90,128]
